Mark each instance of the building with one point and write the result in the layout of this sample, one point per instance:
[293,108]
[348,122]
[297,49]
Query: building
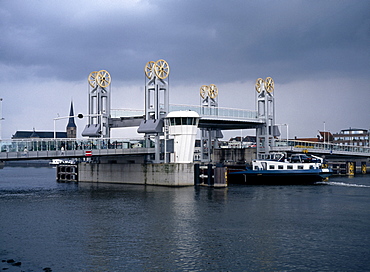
[23,134]
[238,142]
[71,131]
[352,136]
[71,126]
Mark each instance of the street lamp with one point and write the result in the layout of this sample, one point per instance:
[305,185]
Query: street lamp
[80,115]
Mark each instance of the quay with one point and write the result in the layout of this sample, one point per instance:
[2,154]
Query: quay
[166,154]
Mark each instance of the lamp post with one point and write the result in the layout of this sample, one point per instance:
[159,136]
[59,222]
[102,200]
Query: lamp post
[66,117]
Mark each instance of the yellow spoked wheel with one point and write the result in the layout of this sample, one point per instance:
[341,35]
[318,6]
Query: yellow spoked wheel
[161,69]
[259,83]
[103,78]
[213,91]
[204,91]
[269,84]
[92,79]
[148,69]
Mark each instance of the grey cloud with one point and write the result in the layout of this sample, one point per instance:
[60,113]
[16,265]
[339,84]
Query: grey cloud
[227,40]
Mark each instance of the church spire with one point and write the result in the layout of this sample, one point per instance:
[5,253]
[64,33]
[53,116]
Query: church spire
[71,126]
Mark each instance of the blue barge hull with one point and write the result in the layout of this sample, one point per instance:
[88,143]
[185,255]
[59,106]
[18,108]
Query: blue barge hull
[278,177]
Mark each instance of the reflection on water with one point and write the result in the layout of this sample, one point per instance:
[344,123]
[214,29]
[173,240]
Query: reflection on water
[101,227]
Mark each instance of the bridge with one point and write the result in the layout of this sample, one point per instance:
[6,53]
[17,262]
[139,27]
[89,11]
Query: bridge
[151,121]
[210,117]
[31,149]
[41,148]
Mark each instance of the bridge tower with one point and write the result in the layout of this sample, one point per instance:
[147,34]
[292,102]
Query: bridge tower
[267,132]
[209,137]
[156,104]
[99,105]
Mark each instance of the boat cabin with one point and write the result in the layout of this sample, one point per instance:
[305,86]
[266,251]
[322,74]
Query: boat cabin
[295,162]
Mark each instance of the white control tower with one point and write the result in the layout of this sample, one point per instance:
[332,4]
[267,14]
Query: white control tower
[182,126]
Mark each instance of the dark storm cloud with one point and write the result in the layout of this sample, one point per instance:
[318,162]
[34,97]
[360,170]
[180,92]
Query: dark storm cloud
[227,40]
[316,51]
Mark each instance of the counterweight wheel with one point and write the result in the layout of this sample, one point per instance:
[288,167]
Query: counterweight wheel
[92,79]
[103,78]
[161,69]
[269,84]
[204,91]
[213,91]
[148,69]
[259,83]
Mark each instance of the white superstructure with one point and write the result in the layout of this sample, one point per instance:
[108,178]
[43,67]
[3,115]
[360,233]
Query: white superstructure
[182,126]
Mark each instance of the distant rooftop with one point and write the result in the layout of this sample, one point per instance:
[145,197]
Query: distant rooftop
[38,134]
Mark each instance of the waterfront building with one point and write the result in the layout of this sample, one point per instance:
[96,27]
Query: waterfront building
[239,142]
[352,136]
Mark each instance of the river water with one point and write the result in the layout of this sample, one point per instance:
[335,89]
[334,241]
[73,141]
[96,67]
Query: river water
[87,227]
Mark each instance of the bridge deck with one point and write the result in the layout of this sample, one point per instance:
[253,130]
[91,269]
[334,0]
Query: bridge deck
[214,112]
[31,149]
[28,149]
[210,117]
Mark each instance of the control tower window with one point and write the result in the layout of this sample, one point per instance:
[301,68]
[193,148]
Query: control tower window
[178,121]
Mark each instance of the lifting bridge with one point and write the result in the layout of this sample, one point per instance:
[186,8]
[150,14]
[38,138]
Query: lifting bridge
[151,121]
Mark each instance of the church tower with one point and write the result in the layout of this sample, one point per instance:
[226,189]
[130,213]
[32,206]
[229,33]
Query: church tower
[71,126]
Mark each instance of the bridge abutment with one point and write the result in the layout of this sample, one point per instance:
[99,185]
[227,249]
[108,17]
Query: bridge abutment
[164,174]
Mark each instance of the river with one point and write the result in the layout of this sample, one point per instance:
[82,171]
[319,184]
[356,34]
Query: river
[50,226]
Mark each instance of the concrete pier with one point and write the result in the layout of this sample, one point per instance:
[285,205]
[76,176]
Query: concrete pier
[349,168]
[164,174]
[67,173]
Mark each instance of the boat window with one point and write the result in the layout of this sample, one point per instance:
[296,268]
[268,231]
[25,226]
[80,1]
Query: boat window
[272,167]
[264,165]
[312,167]
[256,167]
[290,167]
[280,167]
[300,166]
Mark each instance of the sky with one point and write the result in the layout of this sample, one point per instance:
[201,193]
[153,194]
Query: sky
[317,52]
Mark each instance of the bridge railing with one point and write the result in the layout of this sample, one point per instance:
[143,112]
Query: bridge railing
[116,113]
[328,148]
[219,112]
[47,144]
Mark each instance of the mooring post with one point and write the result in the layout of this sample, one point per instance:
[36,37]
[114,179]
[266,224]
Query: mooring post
[363,167]
[351,167]
[210,181]
[220,176]
[196,174]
